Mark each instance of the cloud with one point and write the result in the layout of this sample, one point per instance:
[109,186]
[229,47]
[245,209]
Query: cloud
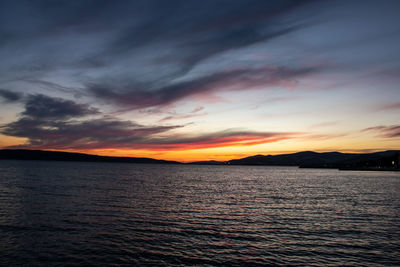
[392,131]
[144,41]
[50,123]
[45,107]
[318,137]
[193,113]
[98,133]
[392,106]
[107,133]
[203,29]
[52,86]
[195,110]
[236,79]
[218,139]
[182,117]
[10,96]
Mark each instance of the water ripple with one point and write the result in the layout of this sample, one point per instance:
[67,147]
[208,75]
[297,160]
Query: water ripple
[55,213]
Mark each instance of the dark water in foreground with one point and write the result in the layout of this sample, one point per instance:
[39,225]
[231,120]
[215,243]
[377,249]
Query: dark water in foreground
[60,213]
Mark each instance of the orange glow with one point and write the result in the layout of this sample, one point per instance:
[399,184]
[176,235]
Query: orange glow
[234,147]
[215,143]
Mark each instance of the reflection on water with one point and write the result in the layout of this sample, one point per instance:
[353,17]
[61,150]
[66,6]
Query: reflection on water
[61,213]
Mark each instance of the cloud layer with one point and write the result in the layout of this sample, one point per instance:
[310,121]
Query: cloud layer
[392,131]
[54,123]
[238,79]
[140,53]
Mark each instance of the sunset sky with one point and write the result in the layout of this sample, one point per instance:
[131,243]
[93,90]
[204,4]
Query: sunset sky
[200,80]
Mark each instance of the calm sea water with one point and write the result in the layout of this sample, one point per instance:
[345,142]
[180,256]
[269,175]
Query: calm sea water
[65,213]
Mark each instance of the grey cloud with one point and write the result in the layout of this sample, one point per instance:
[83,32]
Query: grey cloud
[45,107]
[47,123]
[107,133]
[238,79]
[99,133]
[172,36]
[10,96]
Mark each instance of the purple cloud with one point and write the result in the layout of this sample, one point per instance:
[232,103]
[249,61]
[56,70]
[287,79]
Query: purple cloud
[392,131]
[236,79]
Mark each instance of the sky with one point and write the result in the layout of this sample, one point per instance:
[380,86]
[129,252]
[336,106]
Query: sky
[200,80]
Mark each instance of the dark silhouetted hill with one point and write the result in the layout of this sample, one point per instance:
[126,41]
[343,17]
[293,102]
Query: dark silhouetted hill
[22,154]
[309,159]
[386,160]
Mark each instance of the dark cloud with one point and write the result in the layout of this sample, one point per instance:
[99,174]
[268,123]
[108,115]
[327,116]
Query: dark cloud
[10,96]
[108,133]
[237,79]
[392,131]
[52,86]
[99,133]
[47,124]
[201,29]
[134,38]
[45,107]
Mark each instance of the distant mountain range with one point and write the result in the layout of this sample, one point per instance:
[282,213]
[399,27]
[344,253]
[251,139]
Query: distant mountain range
[309,159]
[386,160]
[23,154]
[379,160]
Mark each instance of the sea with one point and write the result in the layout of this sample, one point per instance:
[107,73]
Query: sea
[121,214]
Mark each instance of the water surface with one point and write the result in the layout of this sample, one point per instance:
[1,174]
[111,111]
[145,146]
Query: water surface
[70,213]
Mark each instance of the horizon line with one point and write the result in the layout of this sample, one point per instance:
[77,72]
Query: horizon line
[367,151]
